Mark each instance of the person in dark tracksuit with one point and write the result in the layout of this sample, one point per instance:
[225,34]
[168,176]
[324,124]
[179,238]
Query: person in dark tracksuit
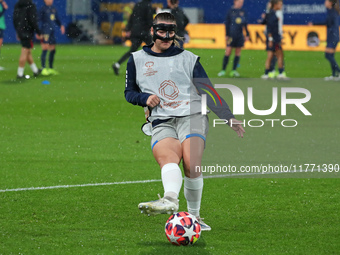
[48,17]
[25,20]
[137,29]
[236,21]
[181,19]
[332,23]
[274,38]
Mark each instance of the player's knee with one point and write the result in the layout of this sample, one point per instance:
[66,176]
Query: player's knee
[166,159]
[192,167]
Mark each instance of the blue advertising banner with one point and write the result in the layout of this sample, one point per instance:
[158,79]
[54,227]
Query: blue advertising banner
[298,12]
[110,13]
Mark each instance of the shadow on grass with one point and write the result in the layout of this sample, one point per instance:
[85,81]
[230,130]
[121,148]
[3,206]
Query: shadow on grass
[165,248]
[13,82]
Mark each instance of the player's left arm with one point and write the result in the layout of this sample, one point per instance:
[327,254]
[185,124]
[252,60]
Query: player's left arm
[59,23]
[221,109]
[246,26]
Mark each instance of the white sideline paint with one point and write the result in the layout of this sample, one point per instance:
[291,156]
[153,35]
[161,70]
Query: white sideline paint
[79,185]
[129,182]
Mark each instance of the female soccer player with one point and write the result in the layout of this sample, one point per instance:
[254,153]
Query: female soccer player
[274,40]
[48,16]
[272,73]
[332,22]
[3,8]
[161,76]
[235,22]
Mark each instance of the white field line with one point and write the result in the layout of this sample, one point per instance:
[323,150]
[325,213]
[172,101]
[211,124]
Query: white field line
[131,182]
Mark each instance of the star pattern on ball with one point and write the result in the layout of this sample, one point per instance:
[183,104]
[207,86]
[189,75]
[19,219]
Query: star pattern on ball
[189,232]
[181,229]
[173,238]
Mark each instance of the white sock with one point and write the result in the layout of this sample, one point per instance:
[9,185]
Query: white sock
[34,68]
[172,180]
[193,188]
[21,71]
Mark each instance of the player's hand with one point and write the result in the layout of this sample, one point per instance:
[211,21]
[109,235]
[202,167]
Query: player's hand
[246,38]
[310,23]
[153,101]
[39,37]
[62,30]
[4,4]
[270,44]
[236,125]
[128,34]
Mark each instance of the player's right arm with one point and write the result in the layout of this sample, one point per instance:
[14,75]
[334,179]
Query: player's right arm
[227,25]
[132,92]
[270,29]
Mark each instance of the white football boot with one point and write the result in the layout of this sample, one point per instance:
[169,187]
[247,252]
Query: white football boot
[265,76]
[332,78]
[164,205]
[204,226]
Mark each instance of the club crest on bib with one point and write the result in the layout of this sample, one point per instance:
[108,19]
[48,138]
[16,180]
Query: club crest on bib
[150,71]
[169,90]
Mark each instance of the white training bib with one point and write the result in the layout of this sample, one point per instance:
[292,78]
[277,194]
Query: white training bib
[170,78]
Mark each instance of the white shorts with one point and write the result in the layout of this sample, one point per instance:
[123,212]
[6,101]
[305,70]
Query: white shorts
[181,128]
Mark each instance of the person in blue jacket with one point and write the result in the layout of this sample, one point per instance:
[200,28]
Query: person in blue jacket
[48,17]
[235,23]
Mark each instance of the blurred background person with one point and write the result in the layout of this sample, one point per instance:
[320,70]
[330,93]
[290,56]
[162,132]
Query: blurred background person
[274,40]
[332,23]
[3,8]
[48,17]
[127,11]
[181,19]
[235,23]
[137,30]
[279,13]
[333,11]
[25,20]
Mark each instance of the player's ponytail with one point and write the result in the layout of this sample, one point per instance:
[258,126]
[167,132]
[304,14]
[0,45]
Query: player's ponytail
[167,17]
[273,3]
[336,5]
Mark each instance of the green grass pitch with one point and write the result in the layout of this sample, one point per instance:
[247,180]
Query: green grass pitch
[80,130]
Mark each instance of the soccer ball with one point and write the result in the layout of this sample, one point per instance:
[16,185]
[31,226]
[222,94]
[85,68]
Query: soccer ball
[182,228]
